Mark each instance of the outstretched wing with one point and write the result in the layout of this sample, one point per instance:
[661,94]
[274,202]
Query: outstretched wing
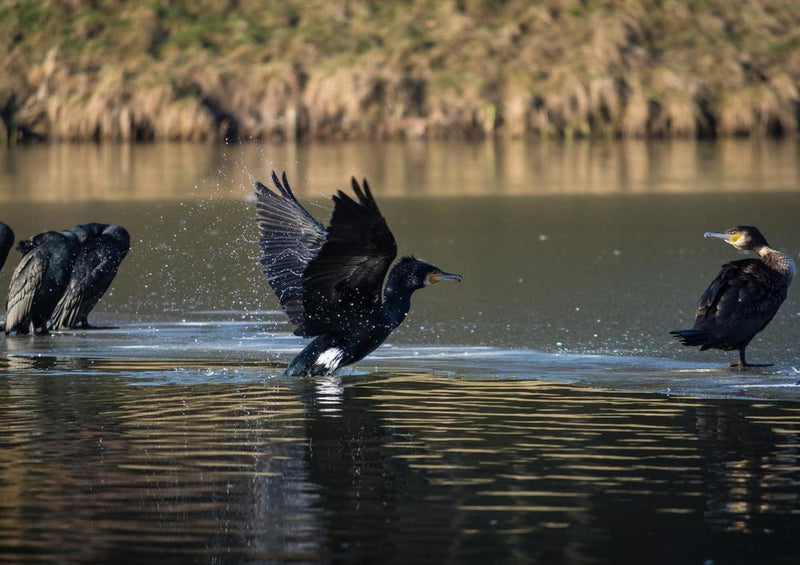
[290,239]
[25,284]
[344,282]
[740,302]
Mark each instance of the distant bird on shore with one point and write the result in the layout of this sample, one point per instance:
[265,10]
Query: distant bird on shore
[39,280]
[330,281]
[102,249]
[743,298]
[6,242]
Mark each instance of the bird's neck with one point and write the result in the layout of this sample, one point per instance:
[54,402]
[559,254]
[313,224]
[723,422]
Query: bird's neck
[396,304]
[777,260]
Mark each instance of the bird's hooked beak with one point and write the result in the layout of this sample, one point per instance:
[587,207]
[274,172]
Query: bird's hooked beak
[730,237]
[434,278]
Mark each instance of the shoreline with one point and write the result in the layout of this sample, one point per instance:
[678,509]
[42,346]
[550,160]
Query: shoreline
[428,70]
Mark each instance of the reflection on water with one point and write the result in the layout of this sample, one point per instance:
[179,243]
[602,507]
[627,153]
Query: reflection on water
[120,172]
[405,468]
[540,412]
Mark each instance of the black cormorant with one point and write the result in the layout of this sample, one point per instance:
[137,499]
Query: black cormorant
[743,298]
[330,281]
[39,280]
[103,247]
[6,242]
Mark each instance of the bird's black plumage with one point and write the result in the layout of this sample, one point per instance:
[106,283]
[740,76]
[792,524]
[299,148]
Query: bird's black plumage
[330,281]
[348,272]
[103,247]
[39,280]
[290,239]
[6,242]
[743,298]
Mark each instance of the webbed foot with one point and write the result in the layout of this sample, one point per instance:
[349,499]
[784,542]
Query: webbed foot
[742,366]
[88,326]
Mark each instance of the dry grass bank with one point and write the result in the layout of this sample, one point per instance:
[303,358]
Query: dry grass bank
[95,69]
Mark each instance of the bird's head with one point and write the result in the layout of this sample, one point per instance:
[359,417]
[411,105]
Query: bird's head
[95,229]
[85,231]
[741,237]
[120,235]
[411,274]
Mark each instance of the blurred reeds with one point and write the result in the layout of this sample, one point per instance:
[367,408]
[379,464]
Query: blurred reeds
[348,69]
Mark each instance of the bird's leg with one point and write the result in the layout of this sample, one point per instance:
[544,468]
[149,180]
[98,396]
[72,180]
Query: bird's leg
[743,364]
[84,324]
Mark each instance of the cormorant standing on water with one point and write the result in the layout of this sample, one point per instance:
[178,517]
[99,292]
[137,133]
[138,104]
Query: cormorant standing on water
[39,280]
[330,281]
[103,247]
[743,298]
[6,242]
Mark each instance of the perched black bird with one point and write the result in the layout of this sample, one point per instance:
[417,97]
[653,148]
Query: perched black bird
[743,298]
[330,281]
[6,242]
[103,247]
[39,280]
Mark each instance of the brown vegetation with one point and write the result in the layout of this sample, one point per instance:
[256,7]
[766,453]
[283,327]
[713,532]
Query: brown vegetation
[89,69]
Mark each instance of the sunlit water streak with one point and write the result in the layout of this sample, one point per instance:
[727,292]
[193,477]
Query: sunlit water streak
[380,466]
[242,351]
[189,171]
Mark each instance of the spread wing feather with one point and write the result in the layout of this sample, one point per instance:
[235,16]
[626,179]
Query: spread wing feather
[344,282]
[290,239]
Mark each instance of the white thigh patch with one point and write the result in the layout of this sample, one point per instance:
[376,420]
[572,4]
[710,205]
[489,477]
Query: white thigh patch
[330,358]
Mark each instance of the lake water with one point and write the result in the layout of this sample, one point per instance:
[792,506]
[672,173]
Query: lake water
[537,412]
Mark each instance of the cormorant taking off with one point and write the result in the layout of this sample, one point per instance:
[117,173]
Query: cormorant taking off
[103,247]
[743,298]
[39,280]
[6,242]
[329,281]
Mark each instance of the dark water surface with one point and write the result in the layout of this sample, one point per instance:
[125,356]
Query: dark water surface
[536,413]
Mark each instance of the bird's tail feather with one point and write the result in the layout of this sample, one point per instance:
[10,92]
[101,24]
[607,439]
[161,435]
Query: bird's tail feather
[66,314]
[691,337]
